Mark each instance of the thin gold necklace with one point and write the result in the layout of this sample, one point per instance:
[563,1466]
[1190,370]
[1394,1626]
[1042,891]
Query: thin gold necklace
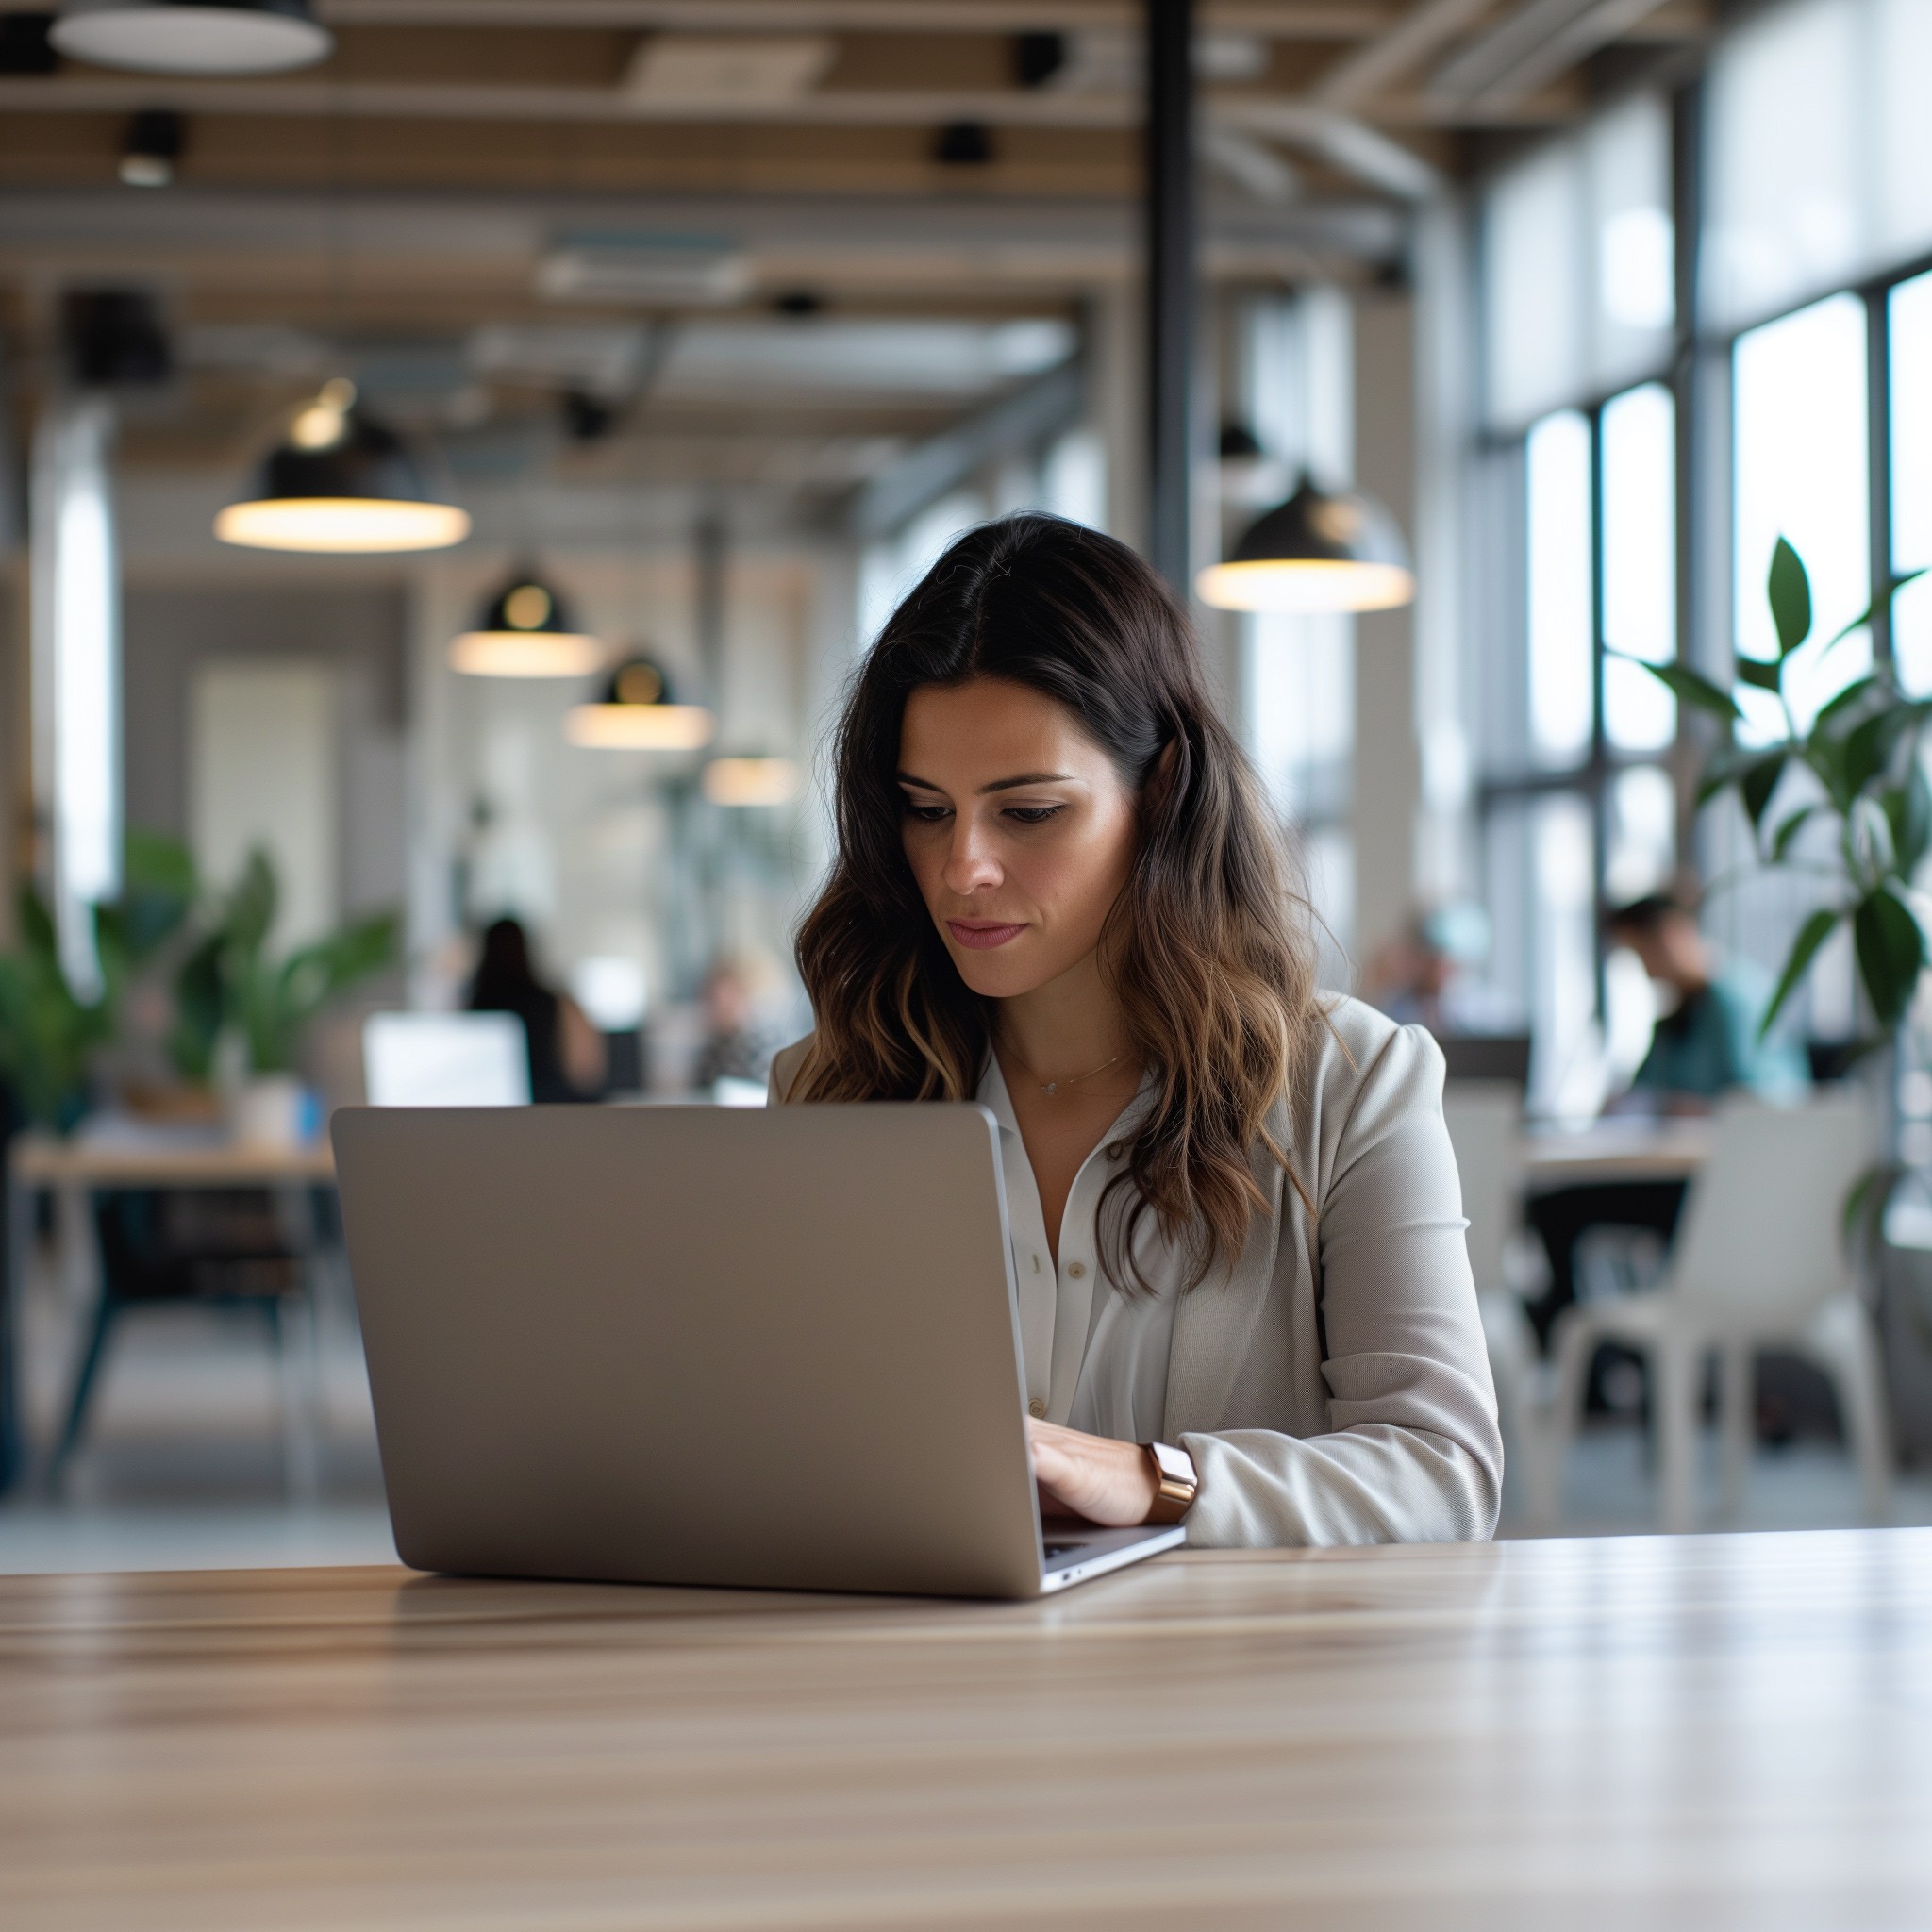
[1052,1087]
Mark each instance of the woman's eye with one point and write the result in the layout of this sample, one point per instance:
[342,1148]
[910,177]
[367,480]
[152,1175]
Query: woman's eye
[1033,814]
[927,814]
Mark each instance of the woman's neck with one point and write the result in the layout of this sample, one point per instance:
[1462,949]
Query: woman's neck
[1067,1029]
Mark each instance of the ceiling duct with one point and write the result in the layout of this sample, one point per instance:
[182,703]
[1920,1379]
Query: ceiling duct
[651,272]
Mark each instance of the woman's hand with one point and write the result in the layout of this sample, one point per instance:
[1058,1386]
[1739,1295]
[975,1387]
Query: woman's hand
[1107,1482]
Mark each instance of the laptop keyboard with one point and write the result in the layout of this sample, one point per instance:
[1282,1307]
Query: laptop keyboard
[1064,1549]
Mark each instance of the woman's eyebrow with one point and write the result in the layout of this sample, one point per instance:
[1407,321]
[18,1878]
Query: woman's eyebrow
[1027,778]
[999,784]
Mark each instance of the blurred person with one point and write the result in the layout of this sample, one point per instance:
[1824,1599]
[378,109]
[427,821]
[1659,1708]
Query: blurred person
[739,1043]
[567,1053]
[1430,974]
[1244,1292]
[1708,1042]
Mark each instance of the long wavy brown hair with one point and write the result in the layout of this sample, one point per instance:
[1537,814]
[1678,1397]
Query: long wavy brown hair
[1208,948]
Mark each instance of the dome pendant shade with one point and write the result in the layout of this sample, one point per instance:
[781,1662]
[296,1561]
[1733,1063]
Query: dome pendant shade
[1318,551]
[193,37]
[527,632]
[637,714]
[750,780]
[341,484]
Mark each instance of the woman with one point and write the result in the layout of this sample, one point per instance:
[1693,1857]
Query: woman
[1236,1220]
[567,1053]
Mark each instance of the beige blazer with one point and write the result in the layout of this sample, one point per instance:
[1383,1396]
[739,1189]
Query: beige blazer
[1333,1386]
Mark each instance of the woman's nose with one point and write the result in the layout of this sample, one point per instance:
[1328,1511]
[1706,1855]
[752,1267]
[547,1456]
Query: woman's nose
[971,866]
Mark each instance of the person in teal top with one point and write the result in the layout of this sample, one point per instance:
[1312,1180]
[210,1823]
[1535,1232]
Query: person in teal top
[1709,1043]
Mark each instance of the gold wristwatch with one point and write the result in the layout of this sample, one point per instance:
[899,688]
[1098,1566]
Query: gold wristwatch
[1174,1470]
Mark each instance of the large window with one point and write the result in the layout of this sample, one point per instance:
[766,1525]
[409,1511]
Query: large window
[1588,818]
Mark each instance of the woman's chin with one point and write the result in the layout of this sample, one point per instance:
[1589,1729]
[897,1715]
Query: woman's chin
[996,976]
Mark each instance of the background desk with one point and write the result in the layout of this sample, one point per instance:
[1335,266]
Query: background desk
[1708,1732]
[38,1163]
[1611,1151]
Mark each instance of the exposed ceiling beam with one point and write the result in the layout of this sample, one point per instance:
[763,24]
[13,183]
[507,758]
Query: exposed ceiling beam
[1337,20]
[1533,45]
[1342,141]
[1029,416]
[1395,54]
[1350,145]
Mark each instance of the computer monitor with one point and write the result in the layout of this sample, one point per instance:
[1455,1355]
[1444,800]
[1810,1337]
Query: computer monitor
[445,1059]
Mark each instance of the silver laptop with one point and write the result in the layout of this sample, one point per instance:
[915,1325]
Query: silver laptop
[703,1345]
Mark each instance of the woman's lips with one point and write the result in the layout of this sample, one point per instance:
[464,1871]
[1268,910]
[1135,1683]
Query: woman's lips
[982,935]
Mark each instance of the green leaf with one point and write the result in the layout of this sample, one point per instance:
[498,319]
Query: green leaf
[1829,711]
[1871,1194]
[1781,839]
[1869,745]
[1879,604]
[1757,785]
[1691,687]
[1789,591]
[1811,935]
[1909,809]
[1890,951]
[1766,676]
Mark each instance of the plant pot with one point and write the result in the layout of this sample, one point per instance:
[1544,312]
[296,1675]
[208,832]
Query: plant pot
[273,1110]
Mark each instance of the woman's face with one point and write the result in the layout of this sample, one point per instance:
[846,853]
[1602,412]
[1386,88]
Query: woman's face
[1018,828]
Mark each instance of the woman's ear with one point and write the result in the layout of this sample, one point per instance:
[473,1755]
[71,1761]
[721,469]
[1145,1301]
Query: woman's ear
[1161,777]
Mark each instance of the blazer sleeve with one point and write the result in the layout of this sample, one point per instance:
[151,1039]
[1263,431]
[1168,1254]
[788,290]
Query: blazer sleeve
[1413,1452]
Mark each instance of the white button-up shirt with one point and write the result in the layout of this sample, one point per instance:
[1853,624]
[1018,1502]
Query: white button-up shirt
[1095,1357]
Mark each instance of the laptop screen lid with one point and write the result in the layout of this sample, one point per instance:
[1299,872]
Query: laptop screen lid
[703,1345]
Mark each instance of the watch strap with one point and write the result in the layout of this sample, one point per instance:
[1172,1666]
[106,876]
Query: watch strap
[1177,1481]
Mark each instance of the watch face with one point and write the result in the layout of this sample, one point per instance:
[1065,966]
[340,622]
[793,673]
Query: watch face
[1177,1465]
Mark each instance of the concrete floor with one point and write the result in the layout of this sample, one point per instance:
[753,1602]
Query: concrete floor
[185,1464]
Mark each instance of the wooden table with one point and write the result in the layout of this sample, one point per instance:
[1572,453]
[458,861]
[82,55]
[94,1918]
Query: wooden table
[1615,1150]
[82,1165]
[1704,1732]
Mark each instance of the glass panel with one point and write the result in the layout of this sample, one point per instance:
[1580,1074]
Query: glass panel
[1902,57]
[1568,1076]
[1911,478]
[1642,849]
[1560,617]
[1638,437]
[1627,153]
[1300,711]
[1799,396]
[1534,230]
[1784,162]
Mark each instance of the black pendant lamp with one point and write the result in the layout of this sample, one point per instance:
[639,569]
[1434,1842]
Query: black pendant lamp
[342,483]
[526,631]
[637,712]
[199,37]
[1319,551]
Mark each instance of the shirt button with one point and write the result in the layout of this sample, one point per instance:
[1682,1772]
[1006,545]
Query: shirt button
[1036,1409]
[1076,1269]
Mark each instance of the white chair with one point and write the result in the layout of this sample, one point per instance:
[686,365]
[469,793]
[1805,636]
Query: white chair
[1760,1262]
[1485,1121]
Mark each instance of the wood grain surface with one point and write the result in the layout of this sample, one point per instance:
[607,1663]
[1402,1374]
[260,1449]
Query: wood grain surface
[1702,1731]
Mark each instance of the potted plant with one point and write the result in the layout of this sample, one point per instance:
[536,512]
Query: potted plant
[1861,750]
[237,1003]
[1855,769]
[50,1040]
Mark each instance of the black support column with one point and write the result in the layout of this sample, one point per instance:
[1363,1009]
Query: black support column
[1171,275]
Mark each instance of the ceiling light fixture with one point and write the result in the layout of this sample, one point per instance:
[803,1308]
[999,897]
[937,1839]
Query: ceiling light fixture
[638,713]
[751,780]
[1319,551]
[154,144]
[211,37]
[525,632]
[342,483]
